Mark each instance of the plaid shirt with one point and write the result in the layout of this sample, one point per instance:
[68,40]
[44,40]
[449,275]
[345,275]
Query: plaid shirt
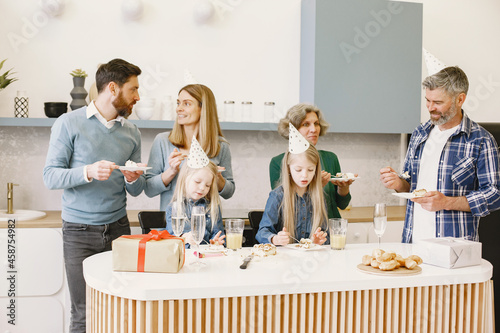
[468,167]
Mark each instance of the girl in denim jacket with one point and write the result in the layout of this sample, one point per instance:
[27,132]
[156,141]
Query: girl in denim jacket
[296,209]
[197,186]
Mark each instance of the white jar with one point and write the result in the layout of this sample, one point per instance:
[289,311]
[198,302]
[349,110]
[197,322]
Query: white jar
[268,112]
[246,111]
[167,109]
[229,111]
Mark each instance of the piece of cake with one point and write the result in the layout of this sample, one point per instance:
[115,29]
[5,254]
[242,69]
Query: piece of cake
[420,193]
[264,250]
[305,243]
[346,175]
[130,163]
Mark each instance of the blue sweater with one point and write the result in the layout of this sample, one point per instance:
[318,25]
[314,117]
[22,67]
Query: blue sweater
[76,141]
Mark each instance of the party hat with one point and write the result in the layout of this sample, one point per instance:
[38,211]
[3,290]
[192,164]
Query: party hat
[432,63]
[296,142]
[197,158]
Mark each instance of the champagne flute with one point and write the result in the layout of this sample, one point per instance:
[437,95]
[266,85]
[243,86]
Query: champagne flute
[178,218]
[198,230]
[379,220]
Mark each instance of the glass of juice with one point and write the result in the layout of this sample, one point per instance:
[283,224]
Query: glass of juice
[234,233]
[338,231]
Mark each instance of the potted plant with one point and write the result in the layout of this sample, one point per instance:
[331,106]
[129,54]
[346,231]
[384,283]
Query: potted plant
[78,93]
[78,73]
[6,78]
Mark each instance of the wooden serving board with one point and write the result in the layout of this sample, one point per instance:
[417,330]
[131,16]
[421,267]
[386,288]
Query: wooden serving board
[401,271]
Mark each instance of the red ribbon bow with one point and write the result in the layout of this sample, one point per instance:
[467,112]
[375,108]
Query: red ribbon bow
[153,235]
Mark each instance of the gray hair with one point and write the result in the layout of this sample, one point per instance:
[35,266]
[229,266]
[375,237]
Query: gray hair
[452,79]
[296,114]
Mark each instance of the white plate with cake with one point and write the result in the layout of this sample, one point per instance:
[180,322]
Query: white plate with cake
[132,166]
[343,177]
[305,244]
[411,195]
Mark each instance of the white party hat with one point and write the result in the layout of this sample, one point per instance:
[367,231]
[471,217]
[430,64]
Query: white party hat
[296,142]
[197,158]
[189,78]
[432,63]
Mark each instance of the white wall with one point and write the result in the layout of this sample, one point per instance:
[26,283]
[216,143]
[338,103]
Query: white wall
[250,51]
[464,33]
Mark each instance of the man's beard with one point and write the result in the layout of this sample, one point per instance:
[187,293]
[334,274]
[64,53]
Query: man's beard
[122,108]
[446,116]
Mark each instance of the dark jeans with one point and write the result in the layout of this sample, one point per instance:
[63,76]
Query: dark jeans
[80,242]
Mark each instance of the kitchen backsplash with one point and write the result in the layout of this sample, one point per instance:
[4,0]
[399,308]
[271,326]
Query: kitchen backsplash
[23,152]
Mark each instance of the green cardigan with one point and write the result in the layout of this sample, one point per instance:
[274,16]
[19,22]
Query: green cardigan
[329,163]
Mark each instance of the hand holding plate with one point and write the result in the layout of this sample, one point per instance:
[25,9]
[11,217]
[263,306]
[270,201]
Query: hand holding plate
[132,176]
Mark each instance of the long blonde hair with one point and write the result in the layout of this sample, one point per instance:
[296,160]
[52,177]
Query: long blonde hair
[209,129]
[212,196]
[315,189]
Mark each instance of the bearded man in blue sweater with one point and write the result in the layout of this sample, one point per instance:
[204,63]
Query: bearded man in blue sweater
[86,147]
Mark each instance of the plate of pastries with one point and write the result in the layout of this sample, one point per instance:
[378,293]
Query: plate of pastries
[381,262]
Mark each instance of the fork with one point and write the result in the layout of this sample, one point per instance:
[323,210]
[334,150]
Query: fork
[401,175]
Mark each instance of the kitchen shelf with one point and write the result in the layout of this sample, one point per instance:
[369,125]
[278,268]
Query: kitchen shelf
[154,124]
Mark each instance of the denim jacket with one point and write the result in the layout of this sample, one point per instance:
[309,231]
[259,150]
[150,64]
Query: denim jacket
[189,204]
[272,219]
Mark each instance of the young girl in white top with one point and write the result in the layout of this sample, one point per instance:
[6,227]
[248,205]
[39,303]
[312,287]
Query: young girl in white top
[197,186]
[296,209]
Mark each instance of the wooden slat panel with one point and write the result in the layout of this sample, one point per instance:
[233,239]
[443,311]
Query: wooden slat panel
[453,308]
[327,310]
[278,314]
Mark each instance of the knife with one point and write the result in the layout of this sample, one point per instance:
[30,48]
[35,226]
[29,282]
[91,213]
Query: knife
[246,261]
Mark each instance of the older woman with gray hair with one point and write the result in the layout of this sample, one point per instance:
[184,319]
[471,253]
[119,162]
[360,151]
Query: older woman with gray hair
[309,121]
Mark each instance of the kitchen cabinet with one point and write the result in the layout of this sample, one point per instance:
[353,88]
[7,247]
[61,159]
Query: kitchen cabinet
[362,232]
[361,63]
[36,279]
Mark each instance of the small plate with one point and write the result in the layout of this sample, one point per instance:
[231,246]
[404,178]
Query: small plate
[134,168]
[344,179]
[296,246]
[212,249]
[406,195]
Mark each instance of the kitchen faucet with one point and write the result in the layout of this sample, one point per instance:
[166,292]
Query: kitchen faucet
[10,197]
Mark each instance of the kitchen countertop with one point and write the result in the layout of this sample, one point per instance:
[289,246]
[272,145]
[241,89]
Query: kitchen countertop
[289,271]
[355,214]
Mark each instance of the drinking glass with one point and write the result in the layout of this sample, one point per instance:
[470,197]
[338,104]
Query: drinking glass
[234,233]
[178,218]
[198,230]
[338,232]
[379,220]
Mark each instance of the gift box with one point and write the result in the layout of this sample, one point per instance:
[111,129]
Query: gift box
[449,252]
[157,252]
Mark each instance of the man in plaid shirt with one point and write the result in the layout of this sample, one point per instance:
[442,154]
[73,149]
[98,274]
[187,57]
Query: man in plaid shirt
[454,159]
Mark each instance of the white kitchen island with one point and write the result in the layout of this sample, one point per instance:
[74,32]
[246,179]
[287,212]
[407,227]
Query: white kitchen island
[294,291]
